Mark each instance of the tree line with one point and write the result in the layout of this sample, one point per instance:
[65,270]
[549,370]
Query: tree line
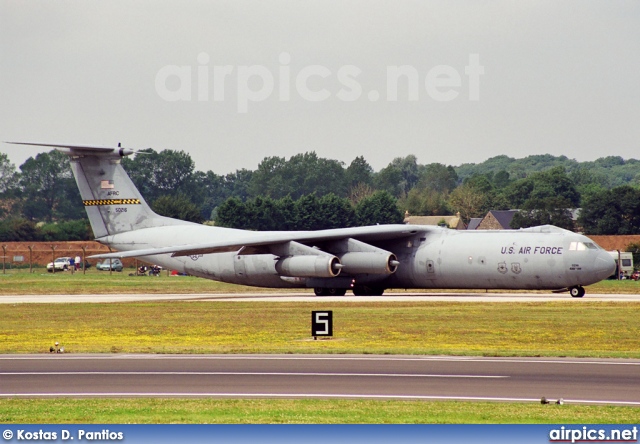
[309,212]
[40,201]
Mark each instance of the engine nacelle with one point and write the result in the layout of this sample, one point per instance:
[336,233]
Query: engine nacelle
[369,263]
[309,266]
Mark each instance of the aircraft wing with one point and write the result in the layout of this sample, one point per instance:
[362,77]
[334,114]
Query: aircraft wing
[250,239]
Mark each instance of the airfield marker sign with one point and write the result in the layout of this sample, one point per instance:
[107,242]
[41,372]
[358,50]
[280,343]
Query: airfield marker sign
[321,323]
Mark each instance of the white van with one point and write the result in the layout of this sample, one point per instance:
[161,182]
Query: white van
[626,265]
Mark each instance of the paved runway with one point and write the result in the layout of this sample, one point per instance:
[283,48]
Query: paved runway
[584,381]
[310,297]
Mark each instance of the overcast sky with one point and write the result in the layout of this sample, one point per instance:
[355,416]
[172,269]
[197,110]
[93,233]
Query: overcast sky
[558,77]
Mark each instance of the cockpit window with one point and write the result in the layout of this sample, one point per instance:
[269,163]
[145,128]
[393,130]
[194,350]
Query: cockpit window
[582,246]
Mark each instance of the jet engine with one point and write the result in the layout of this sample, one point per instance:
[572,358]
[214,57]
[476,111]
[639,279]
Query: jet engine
[324,266]
[360,258]
[369,263]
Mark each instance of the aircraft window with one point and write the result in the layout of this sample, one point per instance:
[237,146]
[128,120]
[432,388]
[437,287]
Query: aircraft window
[582,246]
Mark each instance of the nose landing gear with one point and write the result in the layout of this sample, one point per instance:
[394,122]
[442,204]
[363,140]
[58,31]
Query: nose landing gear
[576,292]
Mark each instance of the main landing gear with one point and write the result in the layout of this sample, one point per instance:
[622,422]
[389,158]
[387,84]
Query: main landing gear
[358,290]
[330,291]
[365,290]
[576,292]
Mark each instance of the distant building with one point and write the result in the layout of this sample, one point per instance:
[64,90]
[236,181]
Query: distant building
[473,223]
[453,222]
[497,220]
[501,220]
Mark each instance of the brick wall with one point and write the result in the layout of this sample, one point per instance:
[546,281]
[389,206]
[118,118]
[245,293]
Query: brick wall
[41,251]
[611,243]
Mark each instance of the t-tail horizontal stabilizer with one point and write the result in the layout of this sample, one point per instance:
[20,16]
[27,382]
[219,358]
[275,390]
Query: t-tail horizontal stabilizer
[86,150]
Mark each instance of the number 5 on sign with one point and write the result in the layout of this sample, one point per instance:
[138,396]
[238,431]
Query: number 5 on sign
[321,323]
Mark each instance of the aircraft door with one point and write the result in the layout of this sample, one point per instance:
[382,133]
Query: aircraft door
[431,270]
[425,263]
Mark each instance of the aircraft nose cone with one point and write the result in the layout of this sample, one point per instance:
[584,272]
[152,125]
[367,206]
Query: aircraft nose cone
[604,265]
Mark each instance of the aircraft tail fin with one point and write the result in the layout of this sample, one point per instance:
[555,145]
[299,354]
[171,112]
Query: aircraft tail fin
[112,201]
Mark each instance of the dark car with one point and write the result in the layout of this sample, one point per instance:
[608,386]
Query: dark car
[114,264]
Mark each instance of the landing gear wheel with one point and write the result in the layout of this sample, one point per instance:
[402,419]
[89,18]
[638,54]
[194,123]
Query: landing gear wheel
[363,290]
[576,292]
[330,291]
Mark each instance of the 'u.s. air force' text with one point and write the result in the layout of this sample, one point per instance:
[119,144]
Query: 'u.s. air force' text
[531,250]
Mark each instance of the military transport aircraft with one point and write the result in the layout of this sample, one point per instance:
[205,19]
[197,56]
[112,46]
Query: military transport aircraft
[365,260]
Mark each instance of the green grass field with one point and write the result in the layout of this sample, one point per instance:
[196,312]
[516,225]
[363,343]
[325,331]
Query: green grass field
[102,282]
[562,328]
[593,329]
[317,411]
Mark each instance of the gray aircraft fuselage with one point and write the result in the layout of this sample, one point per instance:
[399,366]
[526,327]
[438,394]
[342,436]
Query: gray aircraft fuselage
[432,257]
